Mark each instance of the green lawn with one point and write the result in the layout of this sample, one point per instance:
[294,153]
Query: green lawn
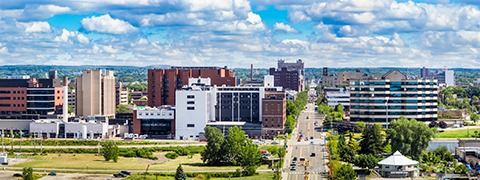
[461,133]
[80,161]
[260,176]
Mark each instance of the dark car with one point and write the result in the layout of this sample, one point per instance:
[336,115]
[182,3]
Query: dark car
[293,168]
[311,137]
[126,173]
[17,175]
[52,174]
[312,155]
[294,158]
[120,175]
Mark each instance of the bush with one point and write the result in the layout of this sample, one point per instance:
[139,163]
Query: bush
[171,155]
[433,124]
[442,125]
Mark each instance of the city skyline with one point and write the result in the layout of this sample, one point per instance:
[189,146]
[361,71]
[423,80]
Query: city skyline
[353,33]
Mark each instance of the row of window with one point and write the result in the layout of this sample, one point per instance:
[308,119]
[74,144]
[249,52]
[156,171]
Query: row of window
[166,80]
[392,83]
[14,105]
[278,120]
[278,125]
[241,102]
[393,107]
[241,107]
[393,89]
[235,96]
[394,101]
[392,95]
[392,113]
[383,119]
[151,114]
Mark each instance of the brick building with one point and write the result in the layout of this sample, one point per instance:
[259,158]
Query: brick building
[162,83]
[290,76]
[274,110]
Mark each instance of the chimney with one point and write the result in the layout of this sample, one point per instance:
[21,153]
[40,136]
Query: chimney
[65,99]
[251,72]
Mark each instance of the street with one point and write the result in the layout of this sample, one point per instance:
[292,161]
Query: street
[304,149]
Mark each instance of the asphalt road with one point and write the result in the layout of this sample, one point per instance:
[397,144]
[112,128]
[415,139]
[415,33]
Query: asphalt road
[304,149]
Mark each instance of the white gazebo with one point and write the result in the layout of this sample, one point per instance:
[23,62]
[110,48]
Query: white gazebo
[398,166]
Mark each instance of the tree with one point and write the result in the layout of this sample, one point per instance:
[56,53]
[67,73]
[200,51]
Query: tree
[341,146]
[350,150]
[340,109]
[372,141]
[442,124]
[291,108]
[27,173]
[433,124]
[130,98]
[180,174]
[475,98]
[361,125]
[474,117]
[213,153]
[70,108]
[251,159]
[122,108]
[409,137]
[234,143]
[366,161]
[290,123]
[110,151]
[344,172]
[461,169]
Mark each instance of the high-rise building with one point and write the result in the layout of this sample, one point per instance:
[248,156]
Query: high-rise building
[371,99]
[424,73]
[341,78]
[274,114]
[95,93]
[446,77]
[290,76]
[30,98]
[121,94]
[162,83]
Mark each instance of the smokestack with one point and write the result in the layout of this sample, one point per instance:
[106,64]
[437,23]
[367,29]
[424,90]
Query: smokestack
[251,72]
[65,99]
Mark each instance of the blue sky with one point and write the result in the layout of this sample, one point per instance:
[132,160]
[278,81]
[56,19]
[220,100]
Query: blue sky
[237,33]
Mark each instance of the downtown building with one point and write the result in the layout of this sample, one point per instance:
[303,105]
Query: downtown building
[290,76]
[95,94]
[162,83]
[200,105]
[372,98]
[22,97]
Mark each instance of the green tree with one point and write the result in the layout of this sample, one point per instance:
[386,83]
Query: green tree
[130,98]
[290,124]
[291,108]
[180,174]
[372,141]
[213,153]
[28,173]
[461,169]
[251,159]
[340,109]
[110,151]
[475,98]
[344,172]
[122,108]
[366,161]
[70,108]
[361,125]
[474,117]
[410,137]
[350,150]
[234,143]
[341,146]
[307,87]
[144,98]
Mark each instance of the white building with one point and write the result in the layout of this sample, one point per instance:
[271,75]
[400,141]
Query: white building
[334,98]
[55,128]
[398,166]
[157,122]
[450,78]
[268,80]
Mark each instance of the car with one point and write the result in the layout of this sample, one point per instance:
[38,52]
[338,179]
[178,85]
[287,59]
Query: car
[274,142]
[311,137]
[17,175]
[306,139]
[294,158]
[292,168]
[301,135]
[202,140]
[302,159]
[299,139]
[307,117]
[312,155]
[294,163]
[52,174]
[120,175]
[126,172]
[311,142]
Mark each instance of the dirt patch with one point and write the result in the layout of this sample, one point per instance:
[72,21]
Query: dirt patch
[161,158]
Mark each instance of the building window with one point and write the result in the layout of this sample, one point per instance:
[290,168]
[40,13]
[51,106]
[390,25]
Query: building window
[190,108]
[14,105]
[14,92]
[190,102]
[23,105]
[190,96]
[14,98]
[190,125]
[140,114]
[266,119]
[23,98]
[23,92]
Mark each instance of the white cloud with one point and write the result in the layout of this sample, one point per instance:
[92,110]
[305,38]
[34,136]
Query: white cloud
[71,37]
[284,27]
[37,27]
[110,49]
[106,24]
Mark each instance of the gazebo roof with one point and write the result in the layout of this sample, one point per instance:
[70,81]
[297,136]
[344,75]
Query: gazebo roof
[397,159]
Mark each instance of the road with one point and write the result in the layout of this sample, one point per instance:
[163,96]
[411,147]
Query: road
[304,149]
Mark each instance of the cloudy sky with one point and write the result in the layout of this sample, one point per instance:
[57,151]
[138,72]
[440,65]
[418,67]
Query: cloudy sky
[236,33]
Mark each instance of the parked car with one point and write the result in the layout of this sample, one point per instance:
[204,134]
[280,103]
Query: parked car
[294,158]
[120,175]
[302,159]
[312,155]
[52,174]
[17,175]
[202,140]
[292,168]
[308,118]
[294,163]
[126,173]
[274,142]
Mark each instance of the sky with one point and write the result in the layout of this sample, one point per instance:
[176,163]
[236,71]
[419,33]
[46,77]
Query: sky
[237,33]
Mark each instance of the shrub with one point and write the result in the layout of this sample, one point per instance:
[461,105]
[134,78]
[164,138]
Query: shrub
[171,155]
[442,125]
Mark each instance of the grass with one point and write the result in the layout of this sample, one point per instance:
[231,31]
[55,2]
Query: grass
[260,176]
[461,133]
[80,161]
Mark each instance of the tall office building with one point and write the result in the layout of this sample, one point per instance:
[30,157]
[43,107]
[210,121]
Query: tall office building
[290,76]
[371,99]
[446,77]
[162,83]
[95,93]
[424,72]
[121,94]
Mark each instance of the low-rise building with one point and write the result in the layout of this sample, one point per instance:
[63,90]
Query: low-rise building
[156,122]
[398,166]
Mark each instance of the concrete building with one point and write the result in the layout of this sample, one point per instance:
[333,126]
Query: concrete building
[204,105]
[95,93]
[274,114]
[424,73]
[290,76]
[446,77]
[55,128]
[371,99]
[139,94]
[162,83]
[154,122]
[398,166]
[334,98]
[121,94]
[30,98]
[333,80]
[71,98]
